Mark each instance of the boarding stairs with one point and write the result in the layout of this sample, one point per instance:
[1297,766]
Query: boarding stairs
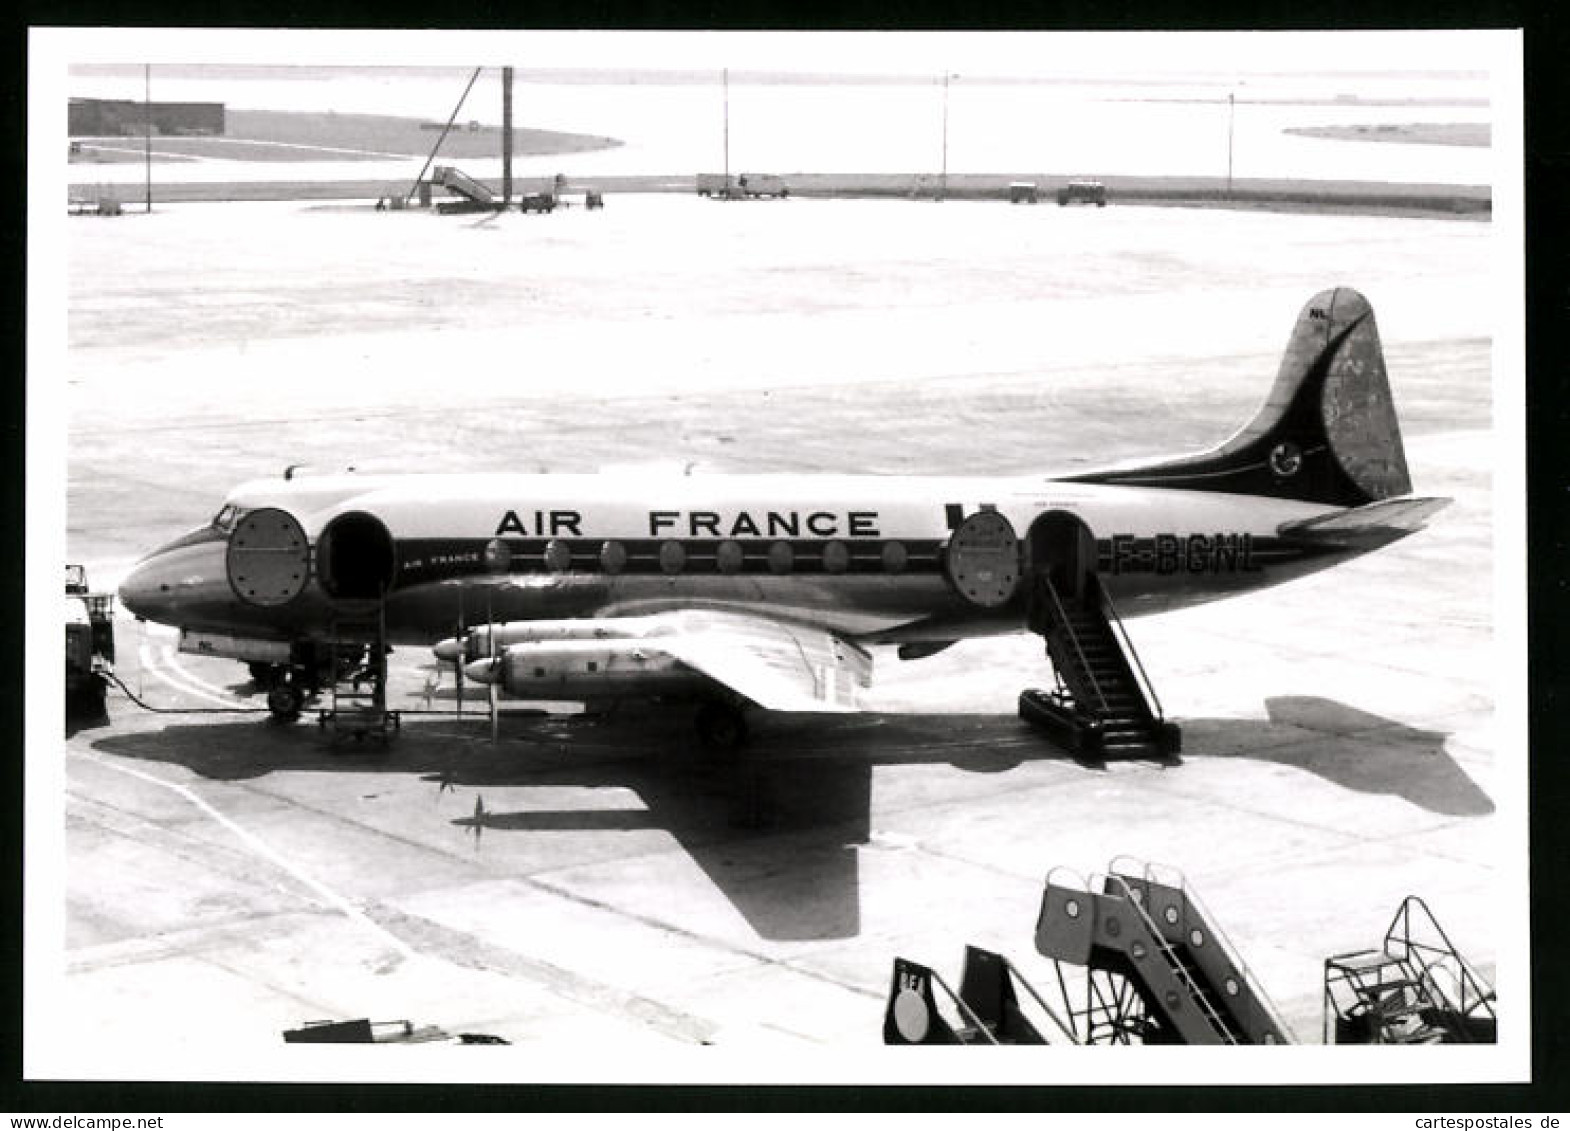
[1103,705]
[986,1011]
[1155,968]
[1136,959]
[476,196]
[357,694]
[1415,989]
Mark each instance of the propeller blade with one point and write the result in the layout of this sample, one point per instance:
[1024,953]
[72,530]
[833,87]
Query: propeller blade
[462,631]
[490,688]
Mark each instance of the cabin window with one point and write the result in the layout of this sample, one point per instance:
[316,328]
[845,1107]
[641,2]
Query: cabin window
[836,556]
[781,558]
[558,556]
[728,557]
[539,673]
[593,666]
[498,556]
[895,557]
[225,520]
[613,557]
[672,557]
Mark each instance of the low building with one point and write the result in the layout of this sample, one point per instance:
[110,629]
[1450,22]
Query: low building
[120,117]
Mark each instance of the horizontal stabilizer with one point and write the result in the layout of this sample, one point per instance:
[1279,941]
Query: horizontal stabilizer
[1367,526]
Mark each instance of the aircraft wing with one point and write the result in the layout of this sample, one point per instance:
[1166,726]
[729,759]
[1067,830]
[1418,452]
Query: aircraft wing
[779,666]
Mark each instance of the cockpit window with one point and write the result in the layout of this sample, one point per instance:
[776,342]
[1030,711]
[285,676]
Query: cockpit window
[224,521]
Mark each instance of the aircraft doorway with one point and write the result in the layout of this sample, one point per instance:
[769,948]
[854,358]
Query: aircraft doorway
[355,560]
[1062,545]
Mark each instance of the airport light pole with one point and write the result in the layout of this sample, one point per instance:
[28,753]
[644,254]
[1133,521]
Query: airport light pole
[1231,111]
[147,130]
[506,138]
[943,177]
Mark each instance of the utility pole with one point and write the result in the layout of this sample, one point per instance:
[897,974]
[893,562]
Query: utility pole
[1231,110]
[147,129]
[506,137]
[725,83]
[943,181]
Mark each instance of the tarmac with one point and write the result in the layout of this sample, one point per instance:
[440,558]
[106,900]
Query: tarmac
[599,890]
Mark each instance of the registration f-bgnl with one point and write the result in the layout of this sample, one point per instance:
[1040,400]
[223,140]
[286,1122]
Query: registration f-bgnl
[760,591]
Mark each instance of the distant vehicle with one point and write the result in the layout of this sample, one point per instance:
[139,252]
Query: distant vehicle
[537,202]
[763,184]
[715,184]
[1022,192]
[1083,192]
[89,643]
[592,199]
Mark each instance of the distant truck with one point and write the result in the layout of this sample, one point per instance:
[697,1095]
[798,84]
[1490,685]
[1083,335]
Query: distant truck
[746,185]
[1022,192]
[763,184]
[537,202]
[1083,192]
[89,644]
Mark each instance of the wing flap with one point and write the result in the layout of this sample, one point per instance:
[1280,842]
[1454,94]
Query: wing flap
[779,666]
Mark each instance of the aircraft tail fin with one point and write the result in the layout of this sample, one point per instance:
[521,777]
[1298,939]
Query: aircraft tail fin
[1327,433]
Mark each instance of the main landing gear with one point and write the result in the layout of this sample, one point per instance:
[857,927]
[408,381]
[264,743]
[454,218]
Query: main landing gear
[290,686]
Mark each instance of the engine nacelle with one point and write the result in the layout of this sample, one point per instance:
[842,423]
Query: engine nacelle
[488,639]
[587,669]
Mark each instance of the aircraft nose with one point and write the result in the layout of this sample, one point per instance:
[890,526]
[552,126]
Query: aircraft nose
[177,581]
[143,592]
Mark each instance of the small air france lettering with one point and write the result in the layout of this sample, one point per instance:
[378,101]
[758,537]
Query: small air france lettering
[705,524]
[1167,554]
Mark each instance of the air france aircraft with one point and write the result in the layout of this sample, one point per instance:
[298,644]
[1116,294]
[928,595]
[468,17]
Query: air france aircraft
[744,592]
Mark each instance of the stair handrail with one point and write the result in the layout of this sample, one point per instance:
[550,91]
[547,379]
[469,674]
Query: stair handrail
[1196,992]
[1467,976]
[969,1014]
[1045,1008]
[1223,940]
[1073,638]
[1110,607]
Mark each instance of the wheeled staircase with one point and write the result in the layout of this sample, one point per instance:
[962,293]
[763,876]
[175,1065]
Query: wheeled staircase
[357,696]
[1102,707]
[1136,960]
[1158,970]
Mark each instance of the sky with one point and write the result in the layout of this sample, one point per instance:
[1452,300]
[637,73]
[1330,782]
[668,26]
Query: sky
[856,53]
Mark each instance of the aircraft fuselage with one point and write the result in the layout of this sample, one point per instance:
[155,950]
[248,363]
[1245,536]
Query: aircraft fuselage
[866,556]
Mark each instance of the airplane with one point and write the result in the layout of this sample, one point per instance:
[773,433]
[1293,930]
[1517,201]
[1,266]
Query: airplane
[743,592]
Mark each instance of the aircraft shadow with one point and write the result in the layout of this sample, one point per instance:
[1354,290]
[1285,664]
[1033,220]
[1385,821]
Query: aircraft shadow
[778,827]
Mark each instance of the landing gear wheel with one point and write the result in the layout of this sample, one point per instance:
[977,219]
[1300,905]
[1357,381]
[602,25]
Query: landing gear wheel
[721,726]
[284,700]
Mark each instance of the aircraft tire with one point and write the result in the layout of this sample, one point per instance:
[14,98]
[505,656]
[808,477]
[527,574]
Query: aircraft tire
[284,700]
[721,726]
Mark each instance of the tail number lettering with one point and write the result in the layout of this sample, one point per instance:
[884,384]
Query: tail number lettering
[1168,554]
